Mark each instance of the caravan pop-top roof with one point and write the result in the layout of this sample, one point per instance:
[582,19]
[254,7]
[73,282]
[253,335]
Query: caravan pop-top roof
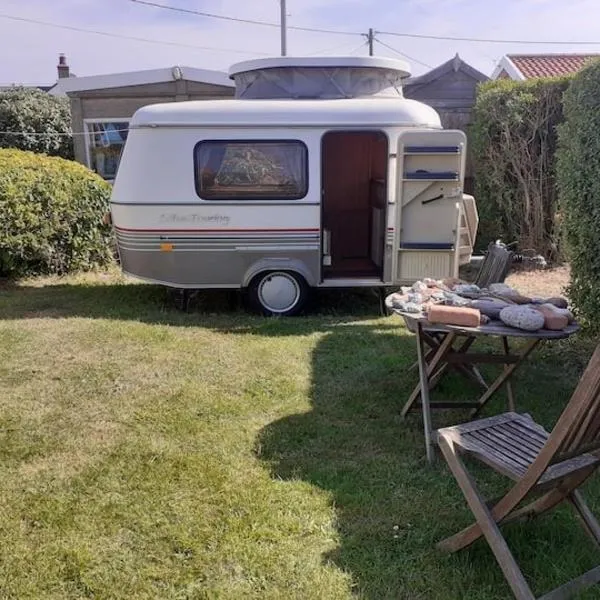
[320,77]
[288,91]
[372,62]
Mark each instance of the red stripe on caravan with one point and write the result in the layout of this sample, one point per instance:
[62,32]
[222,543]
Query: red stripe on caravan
[245,229]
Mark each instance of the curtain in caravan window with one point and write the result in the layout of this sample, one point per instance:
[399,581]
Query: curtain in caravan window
[289,161]
[209,162]
[251,170]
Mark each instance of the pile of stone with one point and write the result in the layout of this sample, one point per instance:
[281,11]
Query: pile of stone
[453,302]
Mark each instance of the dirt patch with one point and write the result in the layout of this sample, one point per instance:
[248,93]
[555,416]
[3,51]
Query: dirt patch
[546,282]
[549,282]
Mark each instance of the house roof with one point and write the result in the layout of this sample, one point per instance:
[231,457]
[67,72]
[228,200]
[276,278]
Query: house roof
[531,66]
[115,80]
[454,64]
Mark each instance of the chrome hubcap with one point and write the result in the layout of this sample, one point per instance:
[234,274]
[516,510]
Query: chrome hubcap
[279,292]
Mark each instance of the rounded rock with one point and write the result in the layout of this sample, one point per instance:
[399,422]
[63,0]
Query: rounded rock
[522,317]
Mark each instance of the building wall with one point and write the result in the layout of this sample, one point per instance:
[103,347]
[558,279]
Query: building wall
[121,103]
[503,75]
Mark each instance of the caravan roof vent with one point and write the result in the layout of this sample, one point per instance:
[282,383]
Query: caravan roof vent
[319,78]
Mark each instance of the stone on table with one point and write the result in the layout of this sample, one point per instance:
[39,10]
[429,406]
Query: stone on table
[522,317]
[490,307]
[552,319]
[454,315]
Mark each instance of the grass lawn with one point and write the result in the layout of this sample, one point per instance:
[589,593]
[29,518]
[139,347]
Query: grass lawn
[147,453]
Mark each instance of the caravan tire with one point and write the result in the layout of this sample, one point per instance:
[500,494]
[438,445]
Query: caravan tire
[278,293]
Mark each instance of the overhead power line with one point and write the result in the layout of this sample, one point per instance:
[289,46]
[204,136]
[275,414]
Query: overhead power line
[363,45]
[200,13]
[128,37]
[346,46]
[411,58]
[486,40]
[338,32]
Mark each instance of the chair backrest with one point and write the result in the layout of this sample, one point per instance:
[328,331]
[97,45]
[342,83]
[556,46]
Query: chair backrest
[577,430]
[495,265]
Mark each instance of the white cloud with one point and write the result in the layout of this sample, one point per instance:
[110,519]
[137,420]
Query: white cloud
[33,49]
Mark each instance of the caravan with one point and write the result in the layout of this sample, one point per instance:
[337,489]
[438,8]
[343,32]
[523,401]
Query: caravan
[318,174]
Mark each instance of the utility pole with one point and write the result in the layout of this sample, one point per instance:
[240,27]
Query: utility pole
[371,40]
[283,28]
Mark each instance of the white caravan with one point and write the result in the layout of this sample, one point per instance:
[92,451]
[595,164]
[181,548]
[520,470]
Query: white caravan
[318,174]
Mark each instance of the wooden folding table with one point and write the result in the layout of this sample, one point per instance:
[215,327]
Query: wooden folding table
[449,347]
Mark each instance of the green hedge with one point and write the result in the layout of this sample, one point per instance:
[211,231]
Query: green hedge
[579,185]
[514,140]
[51,216]
[31,119]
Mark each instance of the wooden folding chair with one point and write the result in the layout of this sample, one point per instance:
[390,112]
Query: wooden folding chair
[550,467]
[495,266]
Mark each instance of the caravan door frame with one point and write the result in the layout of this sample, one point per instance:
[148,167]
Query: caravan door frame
[358,281]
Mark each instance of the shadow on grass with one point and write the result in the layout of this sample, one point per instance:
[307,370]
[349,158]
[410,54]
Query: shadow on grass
[391,507]
[214,309]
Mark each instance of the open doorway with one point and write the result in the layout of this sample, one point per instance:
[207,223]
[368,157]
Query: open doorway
[354,203]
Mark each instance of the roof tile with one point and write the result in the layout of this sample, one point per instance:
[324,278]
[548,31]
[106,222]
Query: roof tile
[549,65]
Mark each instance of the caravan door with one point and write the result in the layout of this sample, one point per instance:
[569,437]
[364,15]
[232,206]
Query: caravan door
[429,213]
[354,199]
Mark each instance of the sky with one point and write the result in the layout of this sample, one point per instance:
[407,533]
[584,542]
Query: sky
[30,50]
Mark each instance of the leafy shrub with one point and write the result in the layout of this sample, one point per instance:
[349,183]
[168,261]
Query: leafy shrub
[51,215]
[29,111]
[579,186]
[514,141]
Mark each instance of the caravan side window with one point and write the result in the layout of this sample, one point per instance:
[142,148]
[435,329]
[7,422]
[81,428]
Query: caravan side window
[251,170]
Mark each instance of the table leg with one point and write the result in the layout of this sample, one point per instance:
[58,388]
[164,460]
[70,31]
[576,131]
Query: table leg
[430,365]
[504,377]
[467,370]
[424,379]
[509,390]
[470,371]
[435,377]
[480,378]
[428,357]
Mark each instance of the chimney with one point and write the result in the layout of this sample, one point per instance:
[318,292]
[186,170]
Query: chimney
[63,67]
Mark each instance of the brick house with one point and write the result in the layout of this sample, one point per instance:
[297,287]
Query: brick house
[521,67]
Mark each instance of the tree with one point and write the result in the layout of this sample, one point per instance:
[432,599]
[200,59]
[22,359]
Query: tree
[31,119]
[514,144]
[579,185]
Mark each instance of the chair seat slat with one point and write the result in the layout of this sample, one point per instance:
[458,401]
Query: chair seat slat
[530,433]
[525,450]
[494,455]
[503,447]
[532,448]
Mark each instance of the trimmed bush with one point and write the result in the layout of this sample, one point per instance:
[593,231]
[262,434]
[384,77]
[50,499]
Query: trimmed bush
[579,186]
[28,112]
[51,216]
[514,140]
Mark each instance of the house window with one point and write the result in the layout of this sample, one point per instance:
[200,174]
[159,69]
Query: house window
[106,140]
[251,170]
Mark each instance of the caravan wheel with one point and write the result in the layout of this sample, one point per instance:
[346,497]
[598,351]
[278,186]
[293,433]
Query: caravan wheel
[281,293]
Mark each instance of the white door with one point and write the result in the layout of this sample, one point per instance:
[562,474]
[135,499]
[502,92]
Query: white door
[430,178]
